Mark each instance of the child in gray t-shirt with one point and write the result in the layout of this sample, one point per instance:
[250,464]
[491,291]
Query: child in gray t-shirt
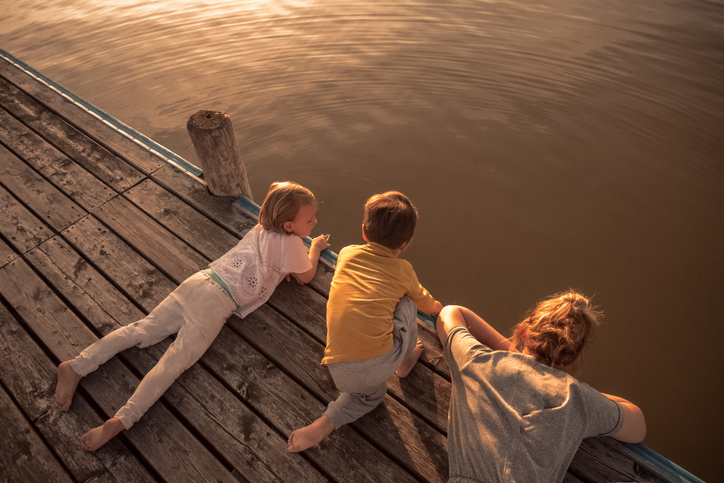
[515,412]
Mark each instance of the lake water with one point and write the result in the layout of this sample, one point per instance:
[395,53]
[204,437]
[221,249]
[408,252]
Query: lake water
[546,144]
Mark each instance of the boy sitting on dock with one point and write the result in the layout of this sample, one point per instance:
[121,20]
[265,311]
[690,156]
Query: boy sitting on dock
[371,317]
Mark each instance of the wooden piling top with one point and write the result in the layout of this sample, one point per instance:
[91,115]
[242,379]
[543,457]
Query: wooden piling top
[96,229]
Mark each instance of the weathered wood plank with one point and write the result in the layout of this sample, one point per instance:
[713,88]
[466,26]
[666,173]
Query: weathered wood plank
[105,165]
[625,450]
[159,245]
[599,461]
[413,442]
[46,201]
[255,450]
[7,254]
[88,281]
[433,356]
[181,219]
[19,226]
[197,195]
[81,186]
[23,455]
[31,376]
[165,442]
[136,155]
[569,478]
[345,456]
[160,437]
[51,320]
[145,284]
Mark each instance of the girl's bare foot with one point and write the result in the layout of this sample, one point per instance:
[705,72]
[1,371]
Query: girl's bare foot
[410,360]
[97,437]
[311,435]
[68,381]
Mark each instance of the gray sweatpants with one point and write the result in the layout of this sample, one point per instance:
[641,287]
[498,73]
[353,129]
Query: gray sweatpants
[362,383]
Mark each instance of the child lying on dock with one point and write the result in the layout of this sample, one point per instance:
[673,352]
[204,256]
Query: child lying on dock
[371,317]
[238,282]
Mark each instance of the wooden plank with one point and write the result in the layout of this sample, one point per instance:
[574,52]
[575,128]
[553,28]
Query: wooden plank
[165,443]
[256,451]
[30,376]
[19,226]
[138,156]
[88,281]
[46,201]
[81,186]
[412,442]
[23,455]
[7,254]
[160,437]
[163,248]
[196,194]
[569,478]
[344,455]
[433,356]
[143,282]
[181,219]
[56,326]
[599,461]
[626,450]
[105,165]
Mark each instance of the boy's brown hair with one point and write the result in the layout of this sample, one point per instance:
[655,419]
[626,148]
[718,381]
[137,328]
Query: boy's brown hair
[390,219]
[282,204]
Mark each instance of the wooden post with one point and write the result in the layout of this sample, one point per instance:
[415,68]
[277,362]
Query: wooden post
[215,143]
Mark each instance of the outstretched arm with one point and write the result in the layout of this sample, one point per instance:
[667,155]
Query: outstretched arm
[453,315]
[634,424]
[318,244]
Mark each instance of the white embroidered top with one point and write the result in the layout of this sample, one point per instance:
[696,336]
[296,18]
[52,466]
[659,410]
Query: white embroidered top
[255,266]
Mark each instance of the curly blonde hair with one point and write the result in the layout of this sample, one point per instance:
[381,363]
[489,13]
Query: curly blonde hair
[282,203]
[557,330]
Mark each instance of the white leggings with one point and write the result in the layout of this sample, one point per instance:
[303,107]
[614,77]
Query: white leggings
[197,310]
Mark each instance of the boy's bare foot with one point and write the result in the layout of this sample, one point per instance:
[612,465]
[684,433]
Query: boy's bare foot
[410,360]
[311,435]
[68,381]
[97,437]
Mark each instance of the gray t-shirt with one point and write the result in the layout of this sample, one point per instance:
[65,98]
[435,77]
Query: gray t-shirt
[513,419]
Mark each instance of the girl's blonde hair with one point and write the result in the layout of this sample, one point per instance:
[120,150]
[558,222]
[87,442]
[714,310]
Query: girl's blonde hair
[282,203]
[557,330]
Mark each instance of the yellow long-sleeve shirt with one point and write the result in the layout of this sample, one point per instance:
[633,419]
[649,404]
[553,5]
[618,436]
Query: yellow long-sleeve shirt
[368,283]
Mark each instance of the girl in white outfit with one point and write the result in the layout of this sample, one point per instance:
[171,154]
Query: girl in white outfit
[238,282]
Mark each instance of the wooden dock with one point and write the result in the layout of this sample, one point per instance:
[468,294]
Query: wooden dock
[95,230]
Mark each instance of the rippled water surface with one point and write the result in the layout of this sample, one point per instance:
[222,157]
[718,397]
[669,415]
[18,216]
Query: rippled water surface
[546,145]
